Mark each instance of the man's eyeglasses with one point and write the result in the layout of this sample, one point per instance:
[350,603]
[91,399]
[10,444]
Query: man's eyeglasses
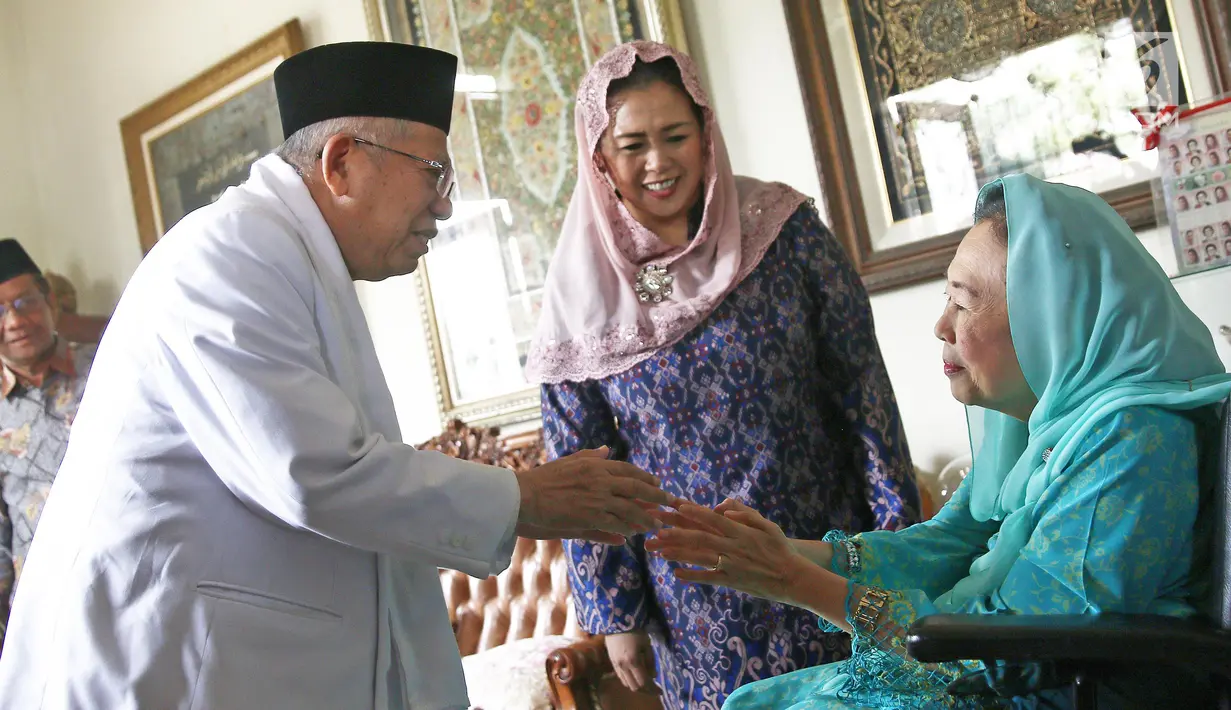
[24,305]
[444,173]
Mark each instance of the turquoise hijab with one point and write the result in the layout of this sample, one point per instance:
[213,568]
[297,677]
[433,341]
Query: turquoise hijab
[1097,327]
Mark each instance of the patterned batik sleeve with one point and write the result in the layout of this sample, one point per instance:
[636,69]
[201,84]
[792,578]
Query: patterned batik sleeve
[608,581]
[852,355]
[1115,535]
[7,571]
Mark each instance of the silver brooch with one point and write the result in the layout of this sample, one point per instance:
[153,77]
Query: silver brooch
[653,283]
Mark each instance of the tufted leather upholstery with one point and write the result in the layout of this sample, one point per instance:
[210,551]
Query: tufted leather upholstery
[530,598]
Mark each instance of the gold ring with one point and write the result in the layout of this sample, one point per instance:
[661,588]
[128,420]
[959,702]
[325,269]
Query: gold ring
[718,565]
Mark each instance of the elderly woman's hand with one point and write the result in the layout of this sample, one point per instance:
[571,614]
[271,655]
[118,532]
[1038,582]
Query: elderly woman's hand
[735,546]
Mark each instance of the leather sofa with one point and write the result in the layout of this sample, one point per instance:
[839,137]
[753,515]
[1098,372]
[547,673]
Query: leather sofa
[530,600]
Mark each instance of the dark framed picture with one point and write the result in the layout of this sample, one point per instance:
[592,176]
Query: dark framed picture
[187,146]
[913,106]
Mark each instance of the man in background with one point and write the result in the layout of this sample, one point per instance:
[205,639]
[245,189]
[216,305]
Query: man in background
[42,377]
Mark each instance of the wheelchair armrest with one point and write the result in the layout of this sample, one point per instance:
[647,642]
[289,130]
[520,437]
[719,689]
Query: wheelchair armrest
[1105,638]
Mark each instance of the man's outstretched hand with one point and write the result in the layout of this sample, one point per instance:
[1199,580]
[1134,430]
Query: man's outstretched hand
[588,496]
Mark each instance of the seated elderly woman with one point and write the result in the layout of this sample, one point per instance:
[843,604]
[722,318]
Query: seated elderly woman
[1084,373]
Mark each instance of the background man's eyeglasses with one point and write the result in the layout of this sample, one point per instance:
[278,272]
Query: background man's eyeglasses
[24,305]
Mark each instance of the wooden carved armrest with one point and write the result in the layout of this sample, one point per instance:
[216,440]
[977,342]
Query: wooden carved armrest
[574,673]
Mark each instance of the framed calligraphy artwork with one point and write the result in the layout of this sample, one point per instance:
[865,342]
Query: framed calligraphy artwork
[186,147]
[512,142]
[913,106]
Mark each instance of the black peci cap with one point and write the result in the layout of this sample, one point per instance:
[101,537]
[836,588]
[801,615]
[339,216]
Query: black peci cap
[14,261]
[376,79]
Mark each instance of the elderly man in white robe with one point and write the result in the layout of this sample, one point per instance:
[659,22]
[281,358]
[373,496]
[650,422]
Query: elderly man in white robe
[237,524]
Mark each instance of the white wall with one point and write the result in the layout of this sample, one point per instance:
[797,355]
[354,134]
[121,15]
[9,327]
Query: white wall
[17,213]
[743,48]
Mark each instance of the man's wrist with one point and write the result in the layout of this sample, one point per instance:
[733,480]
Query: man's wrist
[525,507]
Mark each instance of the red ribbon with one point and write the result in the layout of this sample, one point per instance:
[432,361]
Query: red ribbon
[1152,124]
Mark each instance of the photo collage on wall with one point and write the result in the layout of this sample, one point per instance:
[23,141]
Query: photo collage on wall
[1196,165]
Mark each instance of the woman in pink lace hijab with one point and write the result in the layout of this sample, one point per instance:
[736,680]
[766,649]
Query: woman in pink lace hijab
[708,328]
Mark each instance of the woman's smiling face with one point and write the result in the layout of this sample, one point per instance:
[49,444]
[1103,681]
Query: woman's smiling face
[654,153]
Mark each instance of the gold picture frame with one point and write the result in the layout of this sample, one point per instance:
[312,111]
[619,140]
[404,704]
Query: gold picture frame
[188,145]
[478,288]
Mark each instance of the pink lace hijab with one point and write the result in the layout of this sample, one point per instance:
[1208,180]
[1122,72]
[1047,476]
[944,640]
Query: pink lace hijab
[599,315]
